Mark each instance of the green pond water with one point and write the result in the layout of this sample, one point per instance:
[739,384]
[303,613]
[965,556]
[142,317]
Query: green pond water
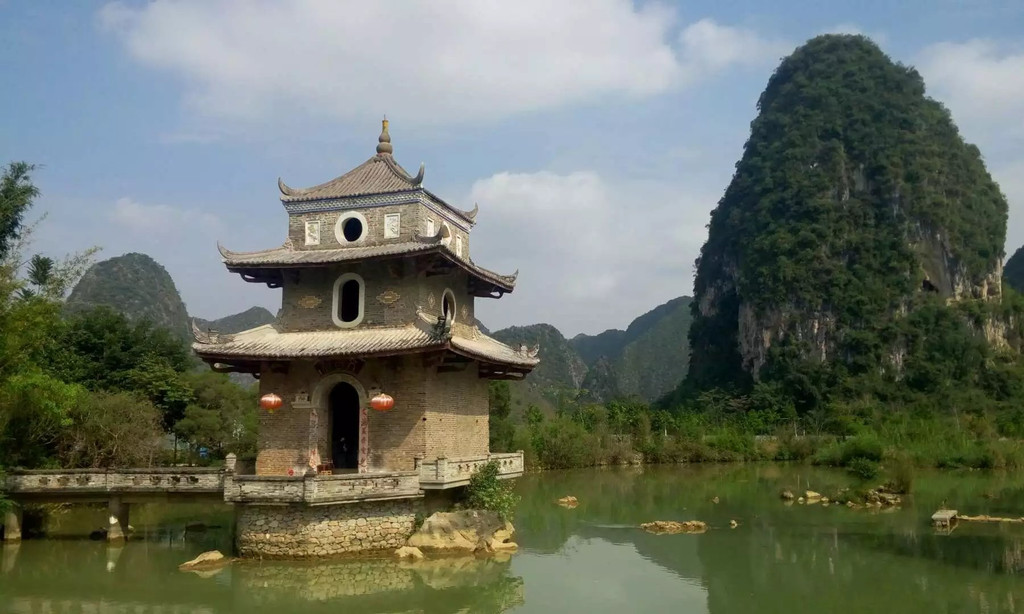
[592,558]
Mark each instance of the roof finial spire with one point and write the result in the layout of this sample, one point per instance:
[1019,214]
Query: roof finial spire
[384,140]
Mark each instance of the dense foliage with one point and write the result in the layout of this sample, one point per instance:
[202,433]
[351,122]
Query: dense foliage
[95,389]
[853,189]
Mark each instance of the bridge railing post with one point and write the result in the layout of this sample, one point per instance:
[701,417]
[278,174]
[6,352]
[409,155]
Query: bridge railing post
[12,523]
[230,462]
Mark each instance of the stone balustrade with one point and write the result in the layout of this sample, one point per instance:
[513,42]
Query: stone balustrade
[453,472]
[322,489]
[63,483]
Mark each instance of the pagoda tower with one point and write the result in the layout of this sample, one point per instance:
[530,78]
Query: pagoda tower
[376,369]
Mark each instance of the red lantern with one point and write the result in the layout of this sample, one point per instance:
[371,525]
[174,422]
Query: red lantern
[382,402]
[271,402]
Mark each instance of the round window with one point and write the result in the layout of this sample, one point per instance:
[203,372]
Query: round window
[350,228]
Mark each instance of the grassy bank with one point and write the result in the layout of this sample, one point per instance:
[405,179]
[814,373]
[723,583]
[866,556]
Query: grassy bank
[565,442]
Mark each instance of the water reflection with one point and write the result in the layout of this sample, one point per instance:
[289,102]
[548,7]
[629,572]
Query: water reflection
[799,558]
[592,558]
[74,576]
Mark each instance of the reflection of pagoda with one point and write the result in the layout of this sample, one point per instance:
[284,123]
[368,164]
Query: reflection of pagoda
[378,290]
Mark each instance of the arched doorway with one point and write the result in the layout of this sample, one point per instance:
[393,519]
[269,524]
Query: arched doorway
[343,405]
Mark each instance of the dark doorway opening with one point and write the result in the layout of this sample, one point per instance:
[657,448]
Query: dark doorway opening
[344,404]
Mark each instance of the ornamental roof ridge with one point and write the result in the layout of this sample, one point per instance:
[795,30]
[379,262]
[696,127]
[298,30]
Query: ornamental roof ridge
[380,174]
[209,336]
[469,216]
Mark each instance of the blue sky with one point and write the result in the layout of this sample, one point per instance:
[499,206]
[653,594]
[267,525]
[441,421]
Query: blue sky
[596,135]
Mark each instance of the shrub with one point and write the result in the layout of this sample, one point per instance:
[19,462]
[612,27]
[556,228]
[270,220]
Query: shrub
[487,492]
[863,468]
[563,444]
[901,475]
[862,446]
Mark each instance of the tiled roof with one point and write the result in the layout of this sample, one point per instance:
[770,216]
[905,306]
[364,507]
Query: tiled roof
[266,342]
[380,174]
[286,256]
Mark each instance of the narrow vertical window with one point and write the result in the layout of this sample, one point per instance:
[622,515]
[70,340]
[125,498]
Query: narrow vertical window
[458,245]
[349,300]
[430,227]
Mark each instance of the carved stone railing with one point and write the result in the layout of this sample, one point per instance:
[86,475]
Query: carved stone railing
[79,482]
[322,489]
[453,472]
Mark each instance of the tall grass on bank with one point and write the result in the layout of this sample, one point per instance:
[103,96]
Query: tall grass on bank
[890,448]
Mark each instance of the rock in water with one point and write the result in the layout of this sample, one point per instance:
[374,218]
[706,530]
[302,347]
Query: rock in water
[464,531]
[855,204]
[671,527]
[409,552]
[568,502]
[206,560]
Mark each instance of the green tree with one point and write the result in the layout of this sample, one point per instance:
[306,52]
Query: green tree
[499,405]
[16,195]
[221,417]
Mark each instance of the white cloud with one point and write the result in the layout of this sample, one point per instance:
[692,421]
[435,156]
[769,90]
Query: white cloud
[163,220]
[426,61]
[981,82]
[590,252]
[707,47]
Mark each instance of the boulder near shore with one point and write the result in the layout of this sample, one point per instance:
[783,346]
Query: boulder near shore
[463,532]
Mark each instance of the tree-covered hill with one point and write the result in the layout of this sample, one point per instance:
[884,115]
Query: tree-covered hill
[139,288]
[561,370]
[856,255]
[135,286]
[855,201]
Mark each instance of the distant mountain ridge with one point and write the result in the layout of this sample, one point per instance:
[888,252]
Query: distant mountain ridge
[236,323]
[644,362]
[1013,270]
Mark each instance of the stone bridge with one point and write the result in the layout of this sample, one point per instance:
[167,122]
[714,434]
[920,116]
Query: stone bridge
[119,488]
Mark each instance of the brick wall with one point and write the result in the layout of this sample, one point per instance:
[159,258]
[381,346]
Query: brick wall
[397,436]
[457,418]
[283,441]
[299,313]
[413,221]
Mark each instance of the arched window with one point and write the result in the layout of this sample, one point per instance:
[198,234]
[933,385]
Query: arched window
[349,295]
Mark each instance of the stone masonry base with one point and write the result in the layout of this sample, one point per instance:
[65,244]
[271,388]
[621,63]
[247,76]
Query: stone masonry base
[285,531]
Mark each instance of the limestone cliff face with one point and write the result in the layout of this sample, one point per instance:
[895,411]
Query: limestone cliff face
[855,200]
